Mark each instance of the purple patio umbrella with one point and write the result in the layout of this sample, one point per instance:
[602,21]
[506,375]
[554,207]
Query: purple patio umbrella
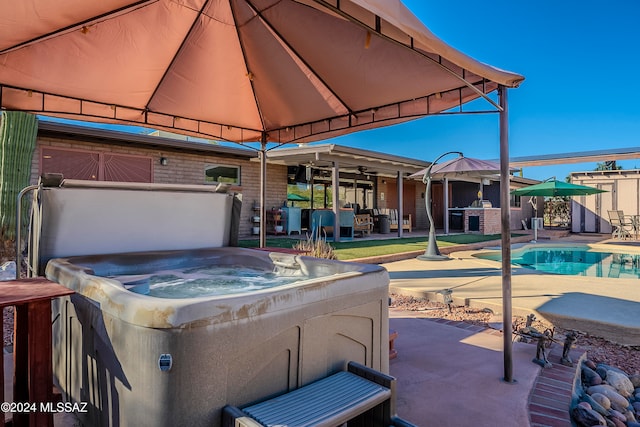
[467,166]
[460,167]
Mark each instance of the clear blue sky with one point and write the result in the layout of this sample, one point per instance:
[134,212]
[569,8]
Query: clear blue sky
[579,59]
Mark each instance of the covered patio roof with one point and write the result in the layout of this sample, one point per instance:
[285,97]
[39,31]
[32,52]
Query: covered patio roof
[610,154]
[325,156]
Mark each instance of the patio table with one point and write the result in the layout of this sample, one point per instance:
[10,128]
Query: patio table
[33,372]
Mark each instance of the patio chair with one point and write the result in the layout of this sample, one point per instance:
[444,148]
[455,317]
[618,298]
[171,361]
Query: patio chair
[393,219]
[622,224]
[362,223]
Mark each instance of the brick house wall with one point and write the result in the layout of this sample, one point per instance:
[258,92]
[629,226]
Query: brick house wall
[388,187]
[186,168]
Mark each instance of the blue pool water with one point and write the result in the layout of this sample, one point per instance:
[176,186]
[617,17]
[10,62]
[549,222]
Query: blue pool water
[574,261]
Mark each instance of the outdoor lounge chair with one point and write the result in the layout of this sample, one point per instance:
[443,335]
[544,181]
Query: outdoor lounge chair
[623,225]
[393,218]
[394,221]
[362,223]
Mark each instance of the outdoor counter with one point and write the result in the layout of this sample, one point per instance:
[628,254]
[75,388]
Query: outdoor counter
[477,220]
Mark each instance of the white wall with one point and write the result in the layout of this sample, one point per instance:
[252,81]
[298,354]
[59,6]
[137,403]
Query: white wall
[590,213]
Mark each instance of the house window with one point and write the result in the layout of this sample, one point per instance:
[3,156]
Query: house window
[515,201]
[222,173]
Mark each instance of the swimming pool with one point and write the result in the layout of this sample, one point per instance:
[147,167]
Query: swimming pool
[574,260]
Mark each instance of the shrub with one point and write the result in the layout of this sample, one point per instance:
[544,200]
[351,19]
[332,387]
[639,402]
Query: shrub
[318,248]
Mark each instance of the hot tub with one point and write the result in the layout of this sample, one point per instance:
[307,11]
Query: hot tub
[138,359]
[142,360]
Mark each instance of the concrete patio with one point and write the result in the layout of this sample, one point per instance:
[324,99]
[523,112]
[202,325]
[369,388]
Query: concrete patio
[450,374]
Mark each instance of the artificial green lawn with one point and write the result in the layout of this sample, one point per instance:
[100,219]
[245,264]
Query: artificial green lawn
[367,248]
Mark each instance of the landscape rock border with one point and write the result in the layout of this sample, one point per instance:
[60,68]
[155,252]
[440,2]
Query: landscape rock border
[605,395]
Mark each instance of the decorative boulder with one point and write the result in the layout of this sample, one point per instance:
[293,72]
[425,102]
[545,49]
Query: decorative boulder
[593,404]
[590,377]
[602,371]
[617,423]
[587,417]
[612,368]
[617,400]
[617,415]
[602,400]
[585,405]
[620,382]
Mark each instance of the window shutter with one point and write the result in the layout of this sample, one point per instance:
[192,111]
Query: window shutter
[94,166]
[72,164]
[124,168]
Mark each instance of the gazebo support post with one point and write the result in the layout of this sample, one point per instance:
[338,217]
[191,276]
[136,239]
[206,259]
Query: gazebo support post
[400,189]
[263,190]
[445,208]
[505,210]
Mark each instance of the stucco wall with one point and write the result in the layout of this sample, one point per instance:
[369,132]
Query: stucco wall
[622,192]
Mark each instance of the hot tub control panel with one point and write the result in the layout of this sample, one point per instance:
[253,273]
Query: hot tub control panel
[165,361]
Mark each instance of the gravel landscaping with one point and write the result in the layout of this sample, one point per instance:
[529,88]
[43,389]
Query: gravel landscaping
[598,350]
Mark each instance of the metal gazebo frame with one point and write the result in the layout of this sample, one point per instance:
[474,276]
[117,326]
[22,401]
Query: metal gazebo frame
[382,28]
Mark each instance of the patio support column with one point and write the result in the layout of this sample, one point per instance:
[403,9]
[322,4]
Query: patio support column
[400,185]
[505,211]
[355,193]
[263,190]
[335,183]
[311,183]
